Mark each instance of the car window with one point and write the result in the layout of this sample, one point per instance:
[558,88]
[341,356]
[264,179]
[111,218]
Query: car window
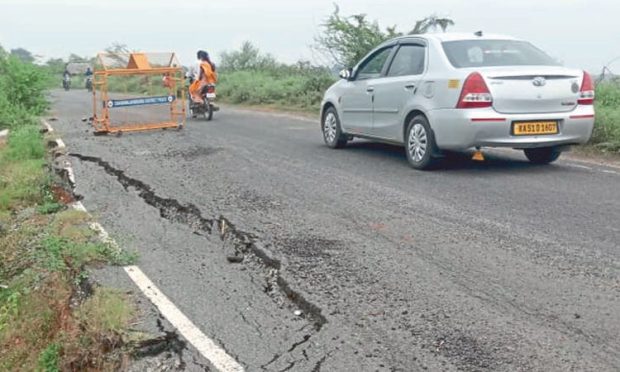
[372,67]
[409,60]
[488,53]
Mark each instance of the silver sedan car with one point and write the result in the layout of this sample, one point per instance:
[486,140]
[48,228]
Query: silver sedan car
[453,92]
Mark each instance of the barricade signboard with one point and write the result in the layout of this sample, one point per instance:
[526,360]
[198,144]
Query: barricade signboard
[140,101]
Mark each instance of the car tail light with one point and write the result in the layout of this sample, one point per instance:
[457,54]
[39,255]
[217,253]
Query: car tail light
[586,94]
[475,93]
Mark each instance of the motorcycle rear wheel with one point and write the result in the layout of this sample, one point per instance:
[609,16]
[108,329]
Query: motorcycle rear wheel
[209,112]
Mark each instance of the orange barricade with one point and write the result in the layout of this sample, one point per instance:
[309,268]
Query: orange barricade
[131,92]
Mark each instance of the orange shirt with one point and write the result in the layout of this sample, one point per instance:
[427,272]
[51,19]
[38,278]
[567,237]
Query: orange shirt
[208,75]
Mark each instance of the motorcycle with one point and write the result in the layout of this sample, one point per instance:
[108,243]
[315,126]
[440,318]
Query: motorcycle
[207,107]
[89,83]
[66,82]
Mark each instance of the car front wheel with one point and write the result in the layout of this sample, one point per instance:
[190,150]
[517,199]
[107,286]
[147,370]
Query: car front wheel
[420,143]
[544,155]
[332,132]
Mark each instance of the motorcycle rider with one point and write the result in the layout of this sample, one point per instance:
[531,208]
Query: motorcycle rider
[206,75]
[66,79]
[89,78]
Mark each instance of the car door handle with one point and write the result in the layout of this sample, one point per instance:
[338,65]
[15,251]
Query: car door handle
[410,86]
[370,89]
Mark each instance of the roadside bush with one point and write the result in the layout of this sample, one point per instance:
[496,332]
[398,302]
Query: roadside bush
[25,143]
[287,89]
[607,128]
[22,92]
[249,77]
[13,115]
[21,168]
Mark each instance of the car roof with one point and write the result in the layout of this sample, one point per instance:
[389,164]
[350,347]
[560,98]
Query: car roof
[455,36]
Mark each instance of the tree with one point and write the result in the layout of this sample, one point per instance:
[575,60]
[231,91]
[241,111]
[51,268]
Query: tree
[23,54]
[431,23]
[249,57]
[56,65]
[118,48]
[117,54]
[76,58]
[3,52]
[345,40]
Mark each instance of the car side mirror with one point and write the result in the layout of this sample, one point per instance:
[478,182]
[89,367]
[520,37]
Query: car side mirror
[346,74]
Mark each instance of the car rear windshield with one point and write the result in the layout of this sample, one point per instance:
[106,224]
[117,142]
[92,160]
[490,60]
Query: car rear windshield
[489,53]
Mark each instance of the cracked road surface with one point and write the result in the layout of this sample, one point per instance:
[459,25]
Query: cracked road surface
[295,257]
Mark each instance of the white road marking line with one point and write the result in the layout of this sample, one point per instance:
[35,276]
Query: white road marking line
[579,166]
[299,128]
[610,172]
[209,349]
[595,166]
[607,171]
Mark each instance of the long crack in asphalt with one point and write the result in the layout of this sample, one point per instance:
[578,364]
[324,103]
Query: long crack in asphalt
[244,247]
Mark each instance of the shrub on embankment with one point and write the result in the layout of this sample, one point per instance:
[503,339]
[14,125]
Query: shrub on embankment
[247,76]
[296,88]
[22,92]
[607,129]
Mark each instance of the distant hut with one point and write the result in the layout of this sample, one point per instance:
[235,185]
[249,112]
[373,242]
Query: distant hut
[78,68]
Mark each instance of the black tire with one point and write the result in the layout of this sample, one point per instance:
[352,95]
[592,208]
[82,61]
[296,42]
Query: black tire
[332,131]
[543,155]
[420,153]
[209,113]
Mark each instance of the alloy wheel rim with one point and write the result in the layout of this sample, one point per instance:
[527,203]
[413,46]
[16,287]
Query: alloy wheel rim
[330,127]
[418,142]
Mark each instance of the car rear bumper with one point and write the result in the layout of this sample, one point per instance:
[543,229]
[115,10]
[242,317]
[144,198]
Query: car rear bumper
[463,129]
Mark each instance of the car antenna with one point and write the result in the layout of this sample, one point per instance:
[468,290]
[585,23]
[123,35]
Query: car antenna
[479,34]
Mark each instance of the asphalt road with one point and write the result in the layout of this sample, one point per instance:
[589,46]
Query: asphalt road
[501,266]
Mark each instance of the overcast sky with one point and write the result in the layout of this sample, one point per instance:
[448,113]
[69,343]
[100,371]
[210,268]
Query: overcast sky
[581,33]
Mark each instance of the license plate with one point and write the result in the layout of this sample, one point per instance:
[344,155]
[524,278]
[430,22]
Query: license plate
[532,128]
[210,95]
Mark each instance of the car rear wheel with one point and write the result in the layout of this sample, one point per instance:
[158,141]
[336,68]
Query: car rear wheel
[543,155]
[420,143]
[332,132]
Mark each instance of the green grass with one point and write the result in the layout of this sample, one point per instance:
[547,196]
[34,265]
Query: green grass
[606,136]
[22,173]
[106,311]
[49,359]
[280,88]
[22,92]
[43,271]
[25,143]
[39,327]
